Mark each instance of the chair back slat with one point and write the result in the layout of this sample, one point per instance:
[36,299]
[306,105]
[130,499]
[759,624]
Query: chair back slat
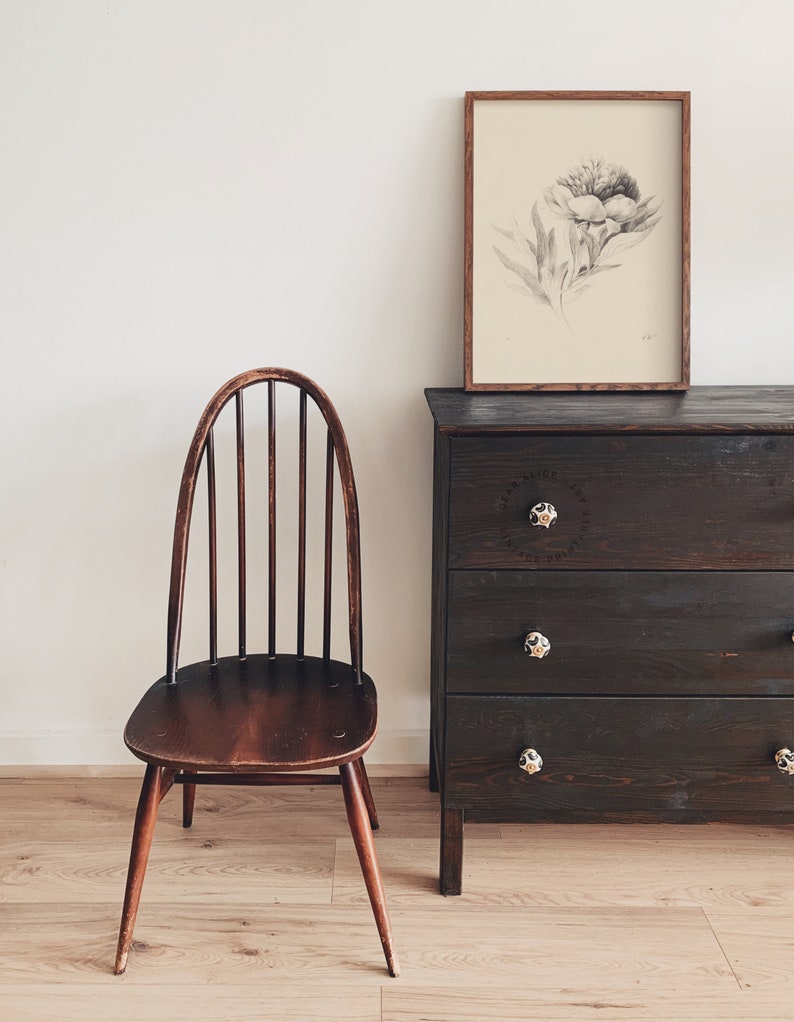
[241,580]
[337,459]
[271,519]
[328,553]
[212,531]
[301,637]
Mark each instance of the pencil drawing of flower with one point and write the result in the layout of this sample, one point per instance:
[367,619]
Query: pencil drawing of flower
[599,212]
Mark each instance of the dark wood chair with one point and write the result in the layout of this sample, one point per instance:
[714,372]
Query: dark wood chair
[269,717]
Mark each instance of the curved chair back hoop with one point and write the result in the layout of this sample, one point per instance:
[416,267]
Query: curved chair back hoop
[201,448]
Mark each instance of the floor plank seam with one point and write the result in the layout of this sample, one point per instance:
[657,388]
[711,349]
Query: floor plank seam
[722,949]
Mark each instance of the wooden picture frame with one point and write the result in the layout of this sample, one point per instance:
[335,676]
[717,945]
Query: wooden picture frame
[577,241]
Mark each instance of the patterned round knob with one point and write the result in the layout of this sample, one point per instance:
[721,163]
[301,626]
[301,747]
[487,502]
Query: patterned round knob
[785,761]
[537,645]
[543,514]
[531,761]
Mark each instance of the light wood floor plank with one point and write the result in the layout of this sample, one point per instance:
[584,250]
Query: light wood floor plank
[276,1001]
[215,870]
[405,806]
[201,945]
[497,1003]
[259,912]
[759,944]
[562,948]
[444,945]
[588,865]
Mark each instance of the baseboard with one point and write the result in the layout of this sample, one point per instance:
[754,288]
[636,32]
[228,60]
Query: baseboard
[103,754]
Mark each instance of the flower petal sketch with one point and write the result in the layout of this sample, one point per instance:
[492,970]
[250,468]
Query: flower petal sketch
[606,214]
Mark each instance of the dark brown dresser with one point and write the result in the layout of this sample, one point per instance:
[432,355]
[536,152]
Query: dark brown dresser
[613,608]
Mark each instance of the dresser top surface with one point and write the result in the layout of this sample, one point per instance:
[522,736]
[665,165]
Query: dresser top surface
[751,409]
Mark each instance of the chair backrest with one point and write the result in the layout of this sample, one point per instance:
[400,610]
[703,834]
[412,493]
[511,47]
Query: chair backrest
[202,451]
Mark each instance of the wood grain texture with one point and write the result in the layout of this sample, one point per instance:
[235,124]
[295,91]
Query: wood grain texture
[633,502]
[667,575]
[555,922]
[729,867]
[634,633]
[527,1003]
[202,945]
[89,810]
[260,713]
[705,410]
[282,1002]
[758,946]
[211,868]
[667,758]
[442,948]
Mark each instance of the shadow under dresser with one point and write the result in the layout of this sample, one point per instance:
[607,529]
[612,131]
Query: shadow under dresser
[613,608]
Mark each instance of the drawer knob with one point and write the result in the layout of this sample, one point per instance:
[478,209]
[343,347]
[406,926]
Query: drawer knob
[537,645]
[531,761]
[785,761]
[543,514]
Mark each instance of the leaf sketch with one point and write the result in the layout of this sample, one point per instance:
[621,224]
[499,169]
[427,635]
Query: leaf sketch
[602,213]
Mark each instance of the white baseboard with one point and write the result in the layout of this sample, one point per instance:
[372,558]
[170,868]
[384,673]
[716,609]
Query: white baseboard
[103,753]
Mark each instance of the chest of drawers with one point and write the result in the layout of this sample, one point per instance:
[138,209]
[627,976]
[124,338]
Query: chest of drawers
[641,642]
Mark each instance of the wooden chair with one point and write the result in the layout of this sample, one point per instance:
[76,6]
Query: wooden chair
[261,718]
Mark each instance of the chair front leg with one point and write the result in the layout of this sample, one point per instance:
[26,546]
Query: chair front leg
[361,829]
[145,819]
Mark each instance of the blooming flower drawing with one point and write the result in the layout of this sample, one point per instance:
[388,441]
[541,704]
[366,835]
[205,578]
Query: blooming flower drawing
[599,212]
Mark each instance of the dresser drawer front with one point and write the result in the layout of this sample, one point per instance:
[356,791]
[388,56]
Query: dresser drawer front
[635,633]
[655,758]
[632,502]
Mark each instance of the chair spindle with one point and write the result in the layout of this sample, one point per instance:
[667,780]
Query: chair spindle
[301,526]
[212,528]
[271,521]
[329,523]
[241,588]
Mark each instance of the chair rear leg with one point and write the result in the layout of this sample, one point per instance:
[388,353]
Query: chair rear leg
[145,819]
[188,801]
[360,827]
[367,793]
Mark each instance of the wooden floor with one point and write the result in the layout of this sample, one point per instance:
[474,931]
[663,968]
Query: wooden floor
[259,912]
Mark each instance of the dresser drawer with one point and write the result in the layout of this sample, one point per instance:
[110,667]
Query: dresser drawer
[636,633]
[656,502]
[663,759]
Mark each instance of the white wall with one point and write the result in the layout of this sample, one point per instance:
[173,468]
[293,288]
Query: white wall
[191,188]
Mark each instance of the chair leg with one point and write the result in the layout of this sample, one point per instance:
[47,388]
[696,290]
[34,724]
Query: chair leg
[188,801]
[367,793]
[145,819]
[358,818]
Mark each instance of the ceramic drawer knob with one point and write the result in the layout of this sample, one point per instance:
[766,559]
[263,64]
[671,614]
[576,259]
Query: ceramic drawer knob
[531,761]
[785,761]
[543,514]
[537,645]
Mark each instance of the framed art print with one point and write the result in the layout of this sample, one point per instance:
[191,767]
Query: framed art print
[577,241]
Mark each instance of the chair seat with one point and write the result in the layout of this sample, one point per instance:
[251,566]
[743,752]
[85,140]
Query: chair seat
[257,714]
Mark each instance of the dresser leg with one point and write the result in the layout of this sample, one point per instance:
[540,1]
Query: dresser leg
[433,779]
[451,870]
